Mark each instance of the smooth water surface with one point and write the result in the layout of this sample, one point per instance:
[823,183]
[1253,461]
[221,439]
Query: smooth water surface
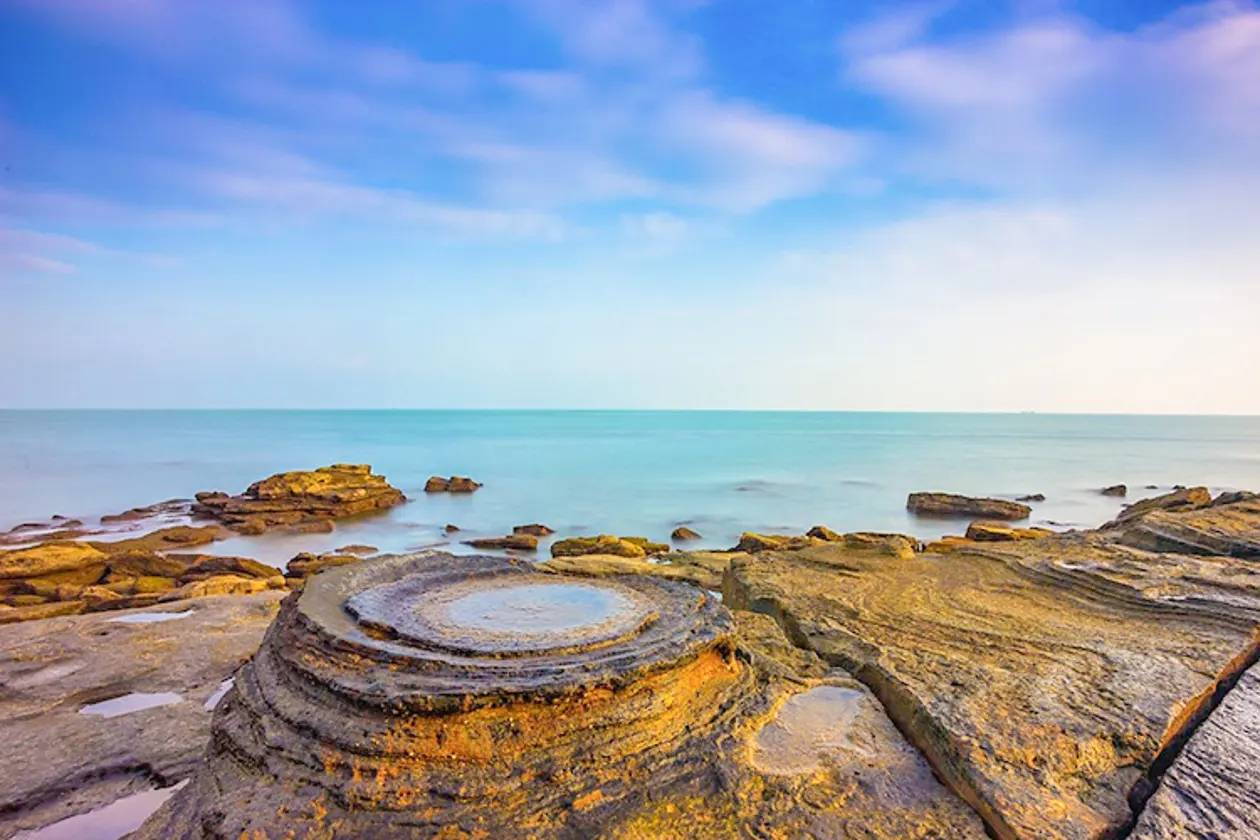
[625,472]
[137,701]
[535,608]
[117,819]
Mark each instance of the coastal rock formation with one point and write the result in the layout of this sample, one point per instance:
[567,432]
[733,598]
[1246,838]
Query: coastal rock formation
[454,484]
[432,696]
[1189,521]
[303,565]
[1048,681]
[682,533]
[59,761]
[607,544]
[1212,790]
[703,568]
[1031,497]
[952,505]
[982,531]
[896,545]
[514,542]
[537,529]
[66,578]
[301,500]
[1115,490]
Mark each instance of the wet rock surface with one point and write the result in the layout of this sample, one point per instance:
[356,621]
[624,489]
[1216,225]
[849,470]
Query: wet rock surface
[58,761]
[953,505]
[607,544]
[1046,680]
[477,697]
[301,499]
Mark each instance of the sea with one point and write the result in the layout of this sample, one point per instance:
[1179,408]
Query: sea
[638,473]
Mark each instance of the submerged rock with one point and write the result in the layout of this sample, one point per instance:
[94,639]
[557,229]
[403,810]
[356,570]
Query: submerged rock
[1115,490]
[1032,497]
[301,499]
[413,697]
[537,529]
[517,542]
[950,505]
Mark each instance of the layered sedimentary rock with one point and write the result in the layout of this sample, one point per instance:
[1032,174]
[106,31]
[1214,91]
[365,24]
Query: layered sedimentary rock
[1212,790]
[454,484]
[66,578]
[607,544]
[1048,680]
[477,697]
[952,505]
[59,761]
[512,542]
[303,499]
[1190,521]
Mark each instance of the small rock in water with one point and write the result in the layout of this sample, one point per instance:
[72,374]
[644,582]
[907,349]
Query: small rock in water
[454,484]
[1034,497]
[1115,490]
[536,529]
[682,532]
[451,529]
[519,542]
[951,504]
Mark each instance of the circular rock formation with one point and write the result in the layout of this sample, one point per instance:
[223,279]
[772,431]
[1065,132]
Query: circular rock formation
[436,696]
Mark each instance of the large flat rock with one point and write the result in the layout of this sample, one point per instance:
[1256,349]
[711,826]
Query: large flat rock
[59,761]
[1043,679]
[1212,790]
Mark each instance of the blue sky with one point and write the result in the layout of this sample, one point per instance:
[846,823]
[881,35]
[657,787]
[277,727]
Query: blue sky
[832,205]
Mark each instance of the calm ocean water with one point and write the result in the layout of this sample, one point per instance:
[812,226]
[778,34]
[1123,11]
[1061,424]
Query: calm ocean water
[618,471]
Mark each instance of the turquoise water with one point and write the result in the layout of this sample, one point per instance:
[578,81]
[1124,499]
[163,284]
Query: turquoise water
[639,473]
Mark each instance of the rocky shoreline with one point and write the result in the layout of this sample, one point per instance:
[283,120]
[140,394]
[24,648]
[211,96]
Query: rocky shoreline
[1010,681]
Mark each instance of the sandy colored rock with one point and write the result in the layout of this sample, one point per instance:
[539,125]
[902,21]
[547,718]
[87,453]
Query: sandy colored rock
[703,568]
[752,541]
[1231,527]
[301,499]
[536,529]
[13,614]
[306,564]
[690,724]
[224,584]
[1043,679]
[602,544]
[952,505]
[358,549]
[1186,498]
[682,534]
[52,558]
[454,484]
[517,542]
[1212,790]
[982,531]
[58,762]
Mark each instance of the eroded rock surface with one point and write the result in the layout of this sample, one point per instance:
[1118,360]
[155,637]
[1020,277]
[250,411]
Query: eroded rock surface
[1190,521]
[953,505]
[476,697]
[607,544]
[57,761]
[1044,679]
[301,499]
[1212,790]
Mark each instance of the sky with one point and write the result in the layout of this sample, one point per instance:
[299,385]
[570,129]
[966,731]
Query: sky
[953,206]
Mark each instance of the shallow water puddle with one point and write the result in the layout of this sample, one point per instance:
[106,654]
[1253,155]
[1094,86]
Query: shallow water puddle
[213,699]
[810,727]
[149,617]
[118,818]
[128,703]
[536,608]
